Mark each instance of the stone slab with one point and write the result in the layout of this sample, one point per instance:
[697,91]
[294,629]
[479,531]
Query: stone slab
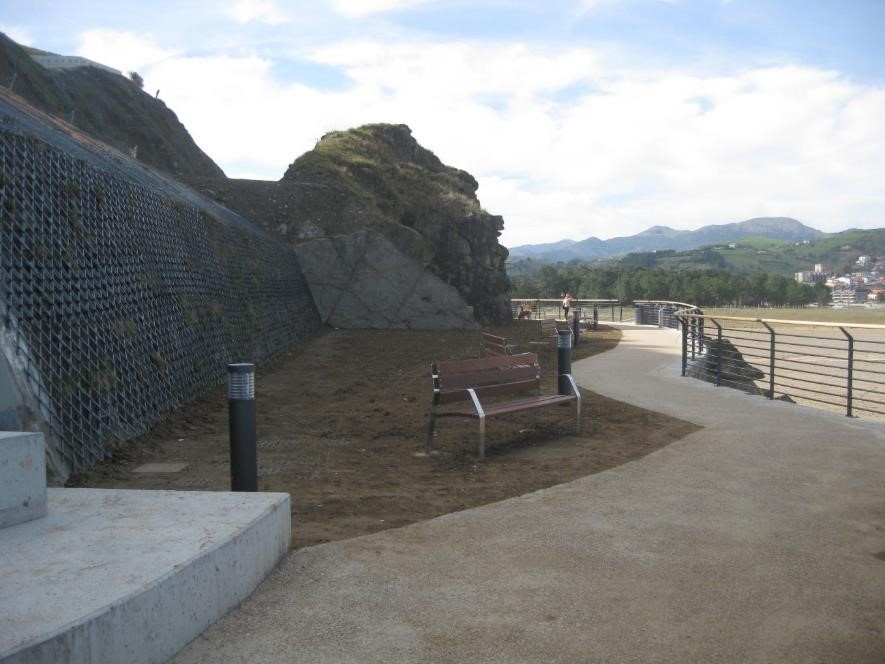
[132,576]
[22,478]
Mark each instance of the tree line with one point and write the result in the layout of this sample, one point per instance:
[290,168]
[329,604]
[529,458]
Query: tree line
[701,287]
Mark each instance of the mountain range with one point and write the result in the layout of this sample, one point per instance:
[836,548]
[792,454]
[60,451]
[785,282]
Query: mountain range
[659,238]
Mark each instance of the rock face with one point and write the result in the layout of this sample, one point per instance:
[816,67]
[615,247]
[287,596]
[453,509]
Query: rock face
[362,280]
[734,371]
[386,172]
[378,178]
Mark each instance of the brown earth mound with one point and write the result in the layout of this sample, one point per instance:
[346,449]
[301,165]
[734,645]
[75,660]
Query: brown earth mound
[341,418]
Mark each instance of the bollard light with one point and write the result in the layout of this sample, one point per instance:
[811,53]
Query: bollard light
[564,361]
[241,419]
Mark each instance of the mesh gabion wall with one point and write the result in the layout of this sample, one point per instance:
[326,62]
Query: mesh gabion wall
[124,300]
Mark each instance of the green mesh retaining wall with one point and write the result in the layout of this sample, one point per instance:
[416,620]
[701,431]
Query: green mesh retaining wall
[123,295]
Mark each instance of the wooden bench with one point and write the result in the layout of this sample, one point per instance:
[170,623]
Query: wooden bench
[492,345]
[480,382]
[549,332]
[549,329]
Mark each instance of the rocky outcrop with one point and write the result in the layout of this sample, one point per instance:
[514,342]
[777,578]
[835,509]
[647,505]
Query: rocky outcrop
[362,280]
[379,178]
[384,170]
[721,358]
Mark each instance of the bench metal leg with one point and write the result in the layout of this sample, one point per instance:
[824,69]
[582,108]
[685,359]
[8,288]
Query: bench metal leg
[482,422]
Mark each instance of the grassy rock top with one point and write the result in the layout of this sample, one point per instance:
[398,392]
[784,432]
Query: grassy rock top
[386,169]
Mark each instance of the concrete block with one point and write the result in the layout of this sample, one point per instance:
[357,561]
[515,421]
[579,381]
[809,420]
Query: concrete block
[22,477]
[132,576]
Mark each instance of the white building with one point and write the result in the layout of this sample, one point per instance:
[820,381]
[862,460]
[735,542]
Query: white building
[849,295]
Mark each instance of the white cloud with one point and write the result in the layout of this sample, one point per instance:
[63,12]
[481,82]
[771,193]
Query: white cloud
[360,8]
[18,34]
[562,143]
[263,11]
[125,51]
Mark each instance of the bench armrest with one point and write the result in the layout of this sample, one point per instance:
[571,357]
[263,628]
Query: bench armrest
[574,385]
[476,404]
[577,394]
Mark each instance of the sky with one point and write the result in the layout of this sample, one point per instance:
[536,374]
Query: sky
[578,118]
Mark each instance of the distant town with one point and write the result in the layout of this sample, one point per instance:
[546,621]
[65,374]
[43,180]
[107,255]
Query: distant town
[865,284]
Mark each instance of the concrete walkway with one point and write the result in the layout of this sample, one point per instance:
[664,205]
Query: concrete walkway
[753,540]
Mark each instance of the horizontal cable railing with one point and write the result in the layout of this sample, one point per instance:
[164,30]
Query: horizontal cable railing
[838,366]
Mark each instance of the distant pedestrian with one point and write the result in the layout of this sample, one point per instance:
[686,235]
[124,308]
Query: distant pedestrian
[566,303]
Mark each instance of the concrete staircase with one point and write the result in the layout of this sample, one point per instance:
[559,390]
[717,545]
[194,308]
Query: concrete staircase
[93,575]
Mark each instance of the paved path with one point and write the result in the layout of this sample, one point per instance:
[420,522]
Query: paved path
[752,540]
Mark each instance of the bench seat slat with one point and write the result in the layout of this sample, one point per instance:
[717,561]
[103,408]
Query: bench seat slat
[451,395]
[489,374]
[449,382]
[485,363]
[505,407]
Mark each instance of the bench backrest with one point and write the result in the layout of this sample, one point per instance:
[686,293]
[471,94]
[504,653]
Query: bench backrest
[488,376]
[549,329]
[492,344]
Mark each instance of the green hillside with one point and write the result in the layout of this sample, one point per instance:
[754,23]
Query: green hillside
[838,252]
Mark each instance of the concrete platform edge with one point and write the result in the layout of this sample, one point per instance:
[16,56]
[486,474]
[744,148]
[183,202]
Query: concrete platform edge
[153,625]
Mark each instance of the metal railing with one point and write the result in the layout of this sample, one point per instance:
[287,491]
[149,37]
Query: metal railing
[662,313]
[592,310]
[835,366]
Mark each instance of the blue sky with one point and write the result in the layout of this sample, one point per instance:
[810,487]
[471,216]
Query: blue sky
[577,117]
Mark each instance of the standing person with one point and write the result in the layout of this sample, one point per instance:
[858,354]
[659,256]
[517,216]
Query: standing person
[566,304]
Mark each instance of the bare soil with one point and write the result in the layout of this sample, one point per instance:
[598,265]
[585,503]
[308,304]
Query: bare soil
[342,421]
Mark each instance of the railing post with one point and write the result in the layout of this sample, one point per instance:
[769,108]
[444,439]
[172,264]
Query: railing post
[693,322]
[771,360]
[564,360]
[684,346]
[621,314]
[718,352]
[849,400]
[701,337]
[595,316]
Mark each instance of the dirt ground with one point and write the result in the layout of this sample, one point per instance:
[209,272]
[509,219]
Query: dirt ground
[342,421]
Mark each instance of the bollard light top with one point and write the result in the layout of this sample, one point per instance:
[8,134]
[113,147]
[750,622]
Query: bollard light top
[565,339]
[242,367]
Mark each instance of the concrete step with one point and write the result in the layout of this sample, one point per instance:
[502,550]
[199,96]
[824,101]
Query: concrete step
[22,477]
[132,576]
